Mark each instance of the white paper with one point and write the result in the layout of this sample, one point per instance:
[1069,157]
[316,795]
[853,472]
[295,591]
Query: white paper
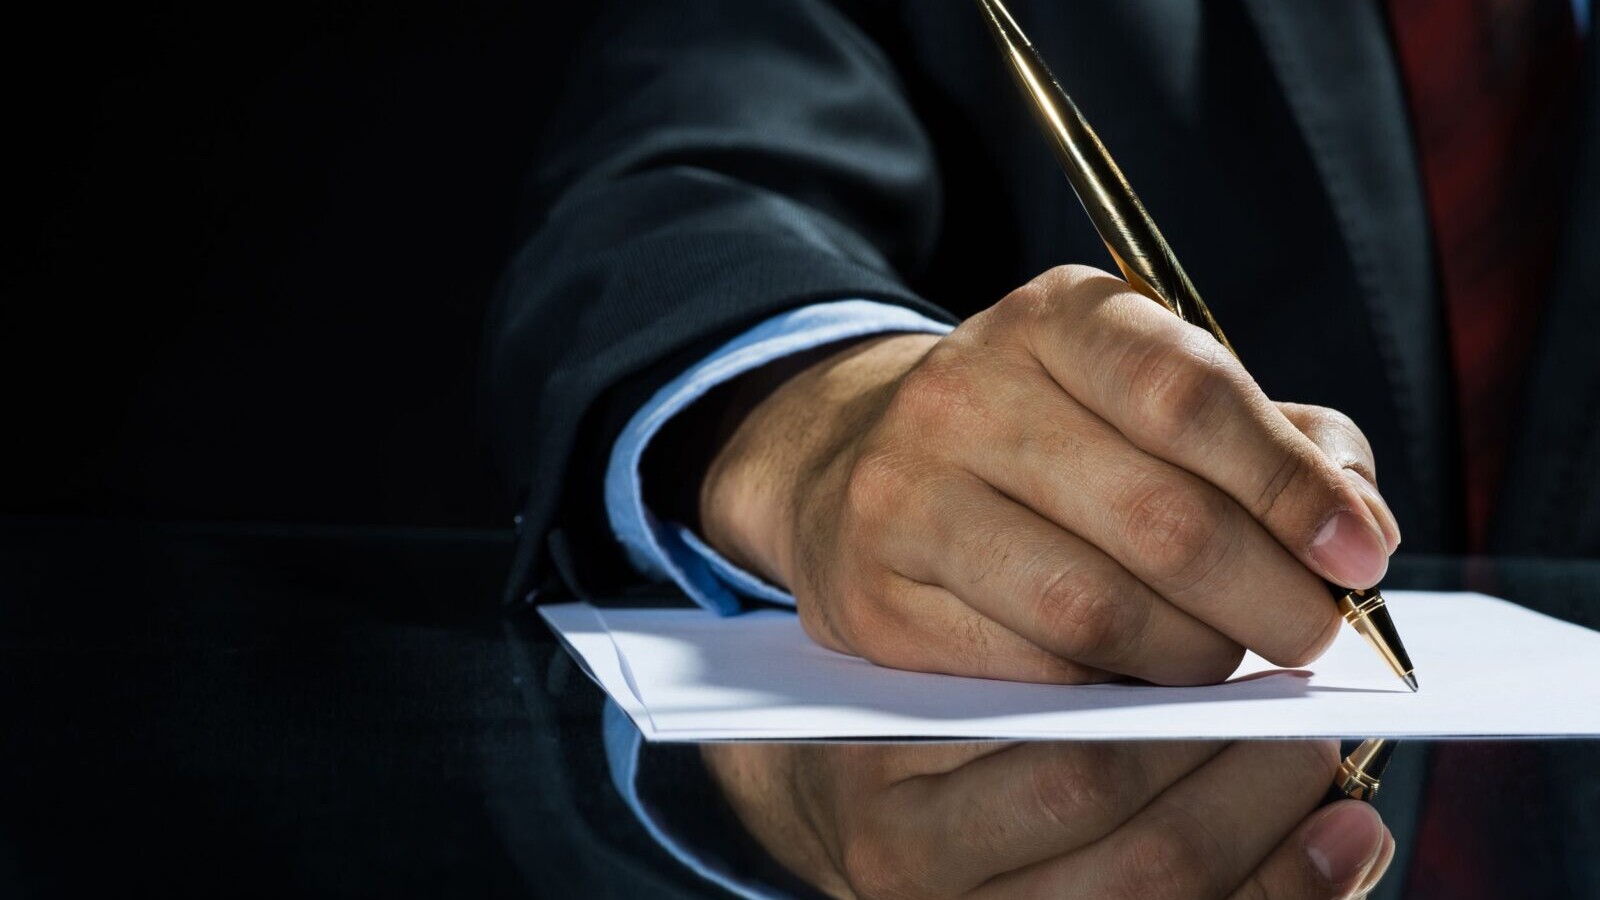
[1487,668]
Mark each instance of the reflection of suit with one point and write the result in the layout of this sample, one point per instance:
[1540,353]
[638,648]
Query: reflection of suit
[722,161]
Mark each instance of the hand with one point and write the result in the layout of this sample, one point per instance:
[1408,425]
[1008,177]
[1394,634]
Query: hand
[1072,486]
[1147,820]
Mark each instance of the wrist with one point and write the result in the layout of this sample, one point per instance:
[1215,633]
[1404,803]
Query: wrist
[789,443]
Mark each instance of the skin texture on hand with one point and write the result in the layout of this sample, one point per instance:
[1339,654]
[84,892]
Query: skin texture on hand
[1148,820]
[1073,486]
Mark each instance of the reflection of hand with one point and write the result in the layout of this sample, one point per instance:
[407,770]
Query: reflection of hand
[1073,483]
[1147,820]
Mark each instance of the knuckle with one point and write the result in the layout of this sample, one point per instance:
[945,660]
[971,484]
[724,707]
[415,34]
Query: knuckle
[1026,304]
[1337,435]
[1174,390]
[1070,277]
[1073,280]
[1336,421]
[1164,861]
[1048,292]
[1362,459]
[1175,529]
[1073,273]
[1078,784]
[1083,615]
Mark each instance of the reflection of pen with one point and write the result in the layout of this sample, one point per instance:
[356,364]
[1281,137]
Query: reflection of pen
[1147,262]
[1360,773]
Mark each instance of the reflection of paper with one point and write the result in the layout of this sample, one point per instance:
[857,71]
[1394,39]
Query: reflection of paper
[1487,668]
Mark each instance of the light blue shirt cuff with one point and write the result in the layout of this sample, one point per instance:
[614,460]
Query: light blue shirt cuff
[623,743]
[667,551]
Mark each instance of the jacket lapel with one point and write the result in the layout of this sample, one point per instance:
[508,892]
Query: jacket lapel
[1552,500]
[1338,74]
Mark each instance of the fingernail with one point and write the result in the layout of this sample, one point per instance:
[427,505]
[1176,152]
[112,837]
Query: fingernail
[1387,523]
[1350,551]
[1345,841]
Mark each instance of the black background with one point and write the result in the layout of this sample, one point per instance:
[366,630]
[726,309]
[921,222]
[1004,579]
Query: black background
[249,252]
[246,259]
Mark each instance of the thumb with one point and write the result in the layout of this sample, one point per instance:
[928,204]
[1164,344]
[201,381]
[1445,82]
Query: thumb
[1336,852]
[1345,446]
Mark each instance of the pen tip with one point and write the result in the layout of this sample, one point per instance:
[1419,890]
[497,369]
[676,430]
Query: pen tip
[1411,681]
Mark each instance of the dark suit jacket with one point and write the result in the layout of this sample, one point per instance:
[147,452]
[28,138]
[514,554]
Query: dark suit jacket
[719,161]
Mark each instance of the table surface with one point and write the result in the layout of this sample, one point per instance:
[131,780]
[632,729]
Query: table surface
[273,709]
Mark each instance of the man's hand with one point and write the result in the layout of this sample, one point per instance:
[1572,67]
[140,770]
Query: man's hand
[1147,820]
[1073,485]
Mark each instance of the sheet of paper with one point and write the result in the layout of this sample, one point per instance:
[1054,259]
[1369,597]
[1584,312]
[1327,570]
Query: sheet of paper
[1487,668]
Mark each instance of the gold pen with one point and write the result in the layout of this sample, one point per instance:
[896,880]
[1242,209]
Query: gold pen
[1148,263]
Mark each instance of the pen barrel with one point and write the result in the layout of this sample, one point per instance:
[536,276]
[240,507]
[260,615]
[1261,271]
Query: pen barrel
[1368,613]
[1128,231]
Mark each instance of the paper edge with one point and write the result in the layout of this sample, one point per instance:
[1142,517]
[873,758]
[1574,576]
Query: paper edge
[605,669]
[615,681]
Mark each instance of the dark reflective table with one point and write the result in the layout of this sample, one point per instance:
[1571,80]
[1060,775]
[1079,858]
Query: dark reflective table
[275,710]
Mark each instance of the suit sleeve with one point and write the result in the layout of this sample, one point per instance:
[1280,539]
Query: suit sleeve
[715,162]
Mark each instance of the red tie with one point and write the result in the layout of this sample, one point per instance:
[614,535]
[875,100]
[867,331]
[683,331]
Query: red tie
[1490,84]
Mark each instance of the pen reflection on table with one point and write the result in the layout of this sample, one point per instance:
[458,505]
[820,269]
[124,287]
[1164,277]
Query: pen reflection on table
[1075,819]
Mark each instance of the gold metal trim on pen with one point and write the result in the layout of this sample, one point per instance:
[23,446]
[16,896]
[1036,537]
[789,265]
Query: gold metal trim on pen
[1367,613]
[1360,774]
[1142,254]
[1129,233]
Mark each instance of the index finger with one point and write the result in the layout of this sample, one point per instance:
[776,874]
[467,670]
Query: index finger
[1177,394]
